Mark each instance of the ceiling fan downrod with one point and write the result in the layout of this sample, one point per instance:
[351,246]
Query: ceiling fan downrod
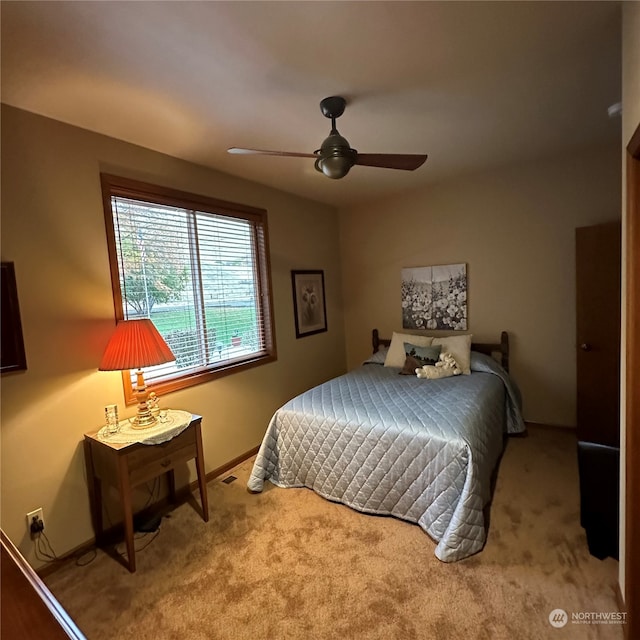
[335,156]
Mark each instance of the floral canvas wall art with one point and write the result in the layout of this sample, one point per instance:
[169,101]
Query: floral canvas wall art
[435,297]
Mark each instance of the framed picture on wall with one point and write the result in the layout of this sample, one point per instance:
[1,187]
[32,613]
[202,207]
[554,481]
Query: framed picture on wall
[435,297]
[309,302]
[12,355]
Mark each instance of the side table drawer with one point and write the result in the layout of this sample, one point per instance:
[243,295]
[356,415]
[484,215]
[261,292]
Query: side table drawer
[143,454]
[149,461]
[154,468]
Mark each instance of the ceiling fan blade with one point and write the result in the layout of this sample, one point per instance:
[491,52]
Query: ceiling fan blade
[262,152]
[404,161]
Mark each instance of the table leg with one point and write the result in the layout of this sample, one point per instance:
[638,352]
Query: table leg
[127,507]
[97,516]
[94,486]
[202,479]
[171,482]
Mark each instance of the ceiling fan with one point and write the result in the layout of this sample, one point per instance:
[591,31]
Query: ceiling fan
[335,156]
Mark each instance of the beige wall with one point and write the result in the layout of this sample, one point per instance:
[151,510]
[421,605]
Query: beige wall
[53,229]
[515,230]
[630,121]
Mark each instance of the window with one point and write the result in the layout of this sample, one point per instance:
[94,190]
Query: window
[199,269]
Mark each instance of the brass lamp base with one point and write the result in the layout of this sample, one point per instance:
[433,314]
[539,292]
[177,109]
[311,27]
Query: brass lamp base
[144,418]
[143,421]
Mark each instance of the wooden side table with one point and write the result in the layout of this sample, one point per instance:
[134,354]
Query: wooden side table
[128,465]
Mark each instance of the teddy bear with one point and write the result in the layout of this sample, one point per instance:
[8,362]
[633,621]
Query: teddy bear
[445,367]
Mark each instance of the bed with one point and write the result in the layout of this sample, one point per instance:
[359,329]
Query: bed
[382,443]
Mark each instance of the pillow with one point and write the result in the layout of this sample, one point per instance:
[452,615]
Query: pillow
[460,348]
[417,357]
[396,355]
[378,357]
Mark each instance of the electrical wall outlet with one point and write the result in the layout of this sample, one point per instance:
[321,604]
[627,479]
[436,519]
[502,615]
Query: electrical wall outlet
[35,521]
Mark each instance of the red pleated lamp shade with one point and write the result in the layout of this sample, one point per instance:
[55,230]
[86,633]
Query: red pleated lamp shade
[135,344]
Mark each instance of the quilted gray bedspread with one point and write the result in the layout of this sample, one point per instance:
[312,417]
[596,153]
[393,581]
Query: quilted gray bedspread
[383,443]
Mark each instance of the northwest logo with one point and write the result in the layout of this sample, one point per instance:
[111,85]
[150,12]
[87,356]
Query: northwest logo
[558,618]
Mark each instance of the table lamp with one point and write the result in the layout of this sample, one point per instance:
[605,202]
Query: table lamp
[133,345]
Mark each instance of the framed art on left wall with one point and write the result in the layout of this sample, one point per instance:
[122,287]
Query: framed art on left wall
[12,355]
[309,307]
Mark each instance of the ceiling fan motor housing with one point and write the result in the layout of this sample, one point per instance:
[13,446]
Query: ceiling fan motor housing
[335,156]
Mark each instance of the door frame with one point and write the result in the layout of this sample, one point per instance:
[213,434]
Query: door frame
[632,384]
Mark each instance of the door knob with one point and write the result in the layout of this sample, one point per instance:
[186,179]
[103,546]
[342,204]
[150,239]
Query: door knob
[585,346]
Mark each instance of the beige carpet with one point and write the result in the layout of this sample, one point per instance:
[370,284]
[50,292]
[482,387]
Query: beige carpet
[287,564]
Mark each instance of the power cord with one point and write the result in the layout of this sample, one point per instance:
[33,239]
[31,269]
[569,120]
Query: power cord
[140,536]
[83,563]
[43,550]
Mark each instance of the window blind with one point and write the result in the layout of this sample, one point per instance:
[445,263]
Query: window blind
[200,276]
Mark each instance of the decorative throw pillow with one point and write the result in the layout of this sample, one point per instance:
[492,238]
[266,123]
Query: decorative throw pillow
[396,355]
[460,348]
[416,357]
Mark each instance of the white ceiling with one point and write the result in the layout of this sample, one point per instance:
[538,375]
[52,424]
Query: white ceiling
[473,84]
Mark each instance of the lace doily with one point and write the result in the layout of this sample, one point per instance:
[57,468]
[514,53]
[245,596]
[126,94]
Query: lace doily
[167,427]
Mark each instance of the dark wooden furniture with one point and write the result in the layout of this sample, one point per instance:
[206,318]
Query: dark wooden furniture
[598,255]
[29,610]
[599,469]
[126,466]
[488,348]
[12,354]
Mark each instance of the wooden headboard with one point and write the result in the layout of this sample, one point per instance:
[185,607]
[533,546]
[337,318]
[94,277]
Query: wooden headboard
[489,348]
